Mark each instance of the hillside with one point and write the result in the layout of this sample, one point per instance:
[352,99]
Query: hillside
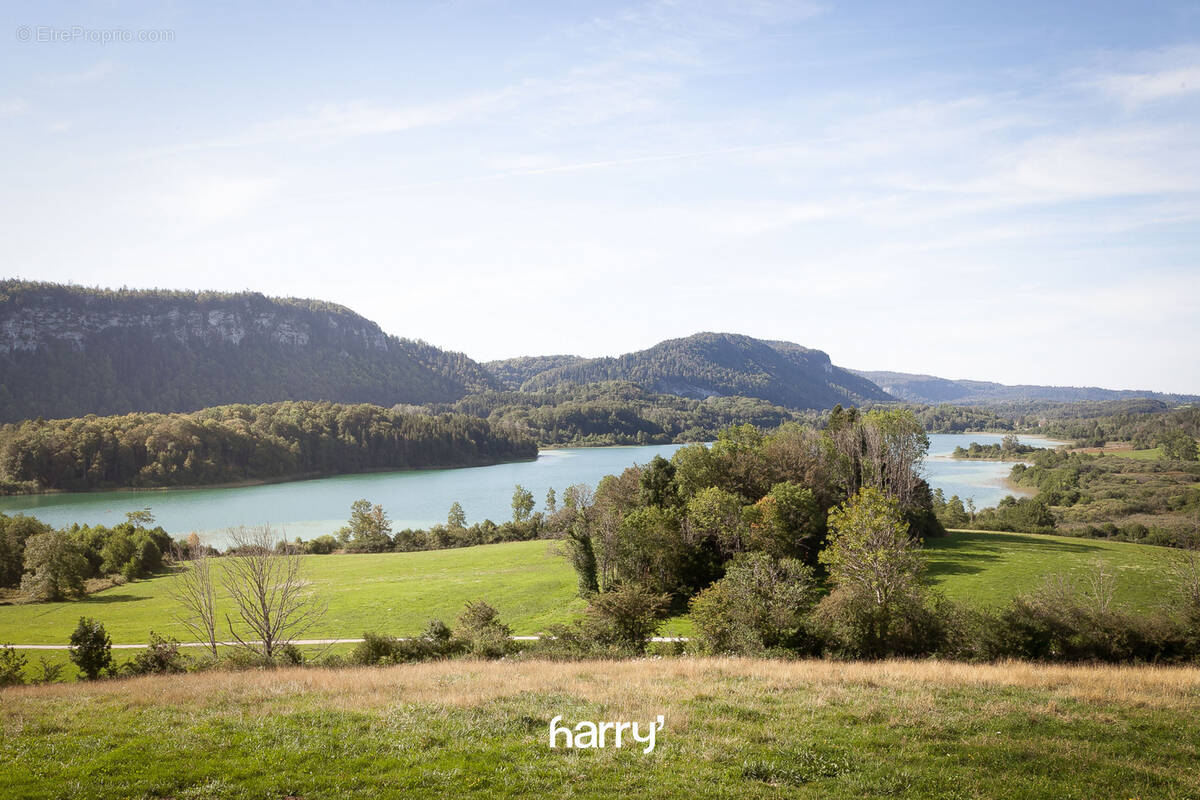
[512,372]
[931,389]
[68,351]
[722,364]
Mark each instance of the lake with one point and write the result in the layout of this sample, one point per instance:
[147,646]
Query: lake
[420,498]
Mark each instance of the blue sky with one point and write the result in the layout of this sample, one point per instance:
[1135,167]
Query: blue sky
[1009,194]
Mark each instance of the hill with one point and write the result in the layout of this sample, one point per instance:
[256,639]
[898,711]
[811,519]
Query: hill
[68,351]
[931,389]
[718,365]
[512,372]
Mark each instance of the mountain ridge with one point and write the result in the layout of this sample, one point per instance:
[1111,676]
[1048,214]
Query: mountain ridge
[709,364]
[931,389]
[66,351]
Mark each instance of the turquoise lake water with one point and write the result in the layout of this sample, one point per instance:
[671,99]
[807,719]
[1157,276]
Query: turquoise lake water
[422,497]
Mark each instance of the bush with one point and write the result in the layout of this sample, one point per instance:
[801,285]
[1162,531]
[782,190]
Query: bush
[482,632]
[48,671]
[625,617]
[161,657]
[760,605]
[1063,621]
[321,546]
[12,666]
[437,641]
[850,624]
[91,649]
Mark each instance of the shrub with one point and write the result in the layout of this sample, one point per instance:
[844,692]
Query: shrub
[437,641]
[761,604]
[482,632]
[161,657]
[1063,621]
[625,617]
[91,649]
[12,666]
[851,624]
[48,671]
[321,546]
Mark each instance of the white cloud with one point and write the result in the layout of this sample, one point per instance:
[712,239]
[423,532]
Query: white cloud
[13,108]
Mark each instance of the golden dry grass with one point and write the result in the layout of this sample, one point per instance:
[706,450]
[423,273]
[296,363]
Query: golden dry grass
[629,683]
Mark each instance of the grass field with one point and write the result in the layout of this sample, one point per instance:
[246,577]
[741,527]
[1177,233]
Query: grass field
[733,728]
[395,593]
[986,568]
[533,587]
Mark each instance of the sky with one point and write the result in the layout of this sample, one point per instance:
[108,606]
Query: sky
[1008,193]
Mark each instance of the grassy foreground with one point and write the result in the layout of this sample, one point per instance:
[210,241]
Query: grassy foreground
[734,728]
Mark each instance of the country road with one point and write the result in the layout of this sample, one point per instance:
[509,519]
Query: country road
[299,642]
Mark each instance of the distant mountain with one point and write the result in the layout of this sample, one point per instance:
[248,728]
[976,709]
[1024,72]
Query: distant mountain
[67,351]
[715,364]
[931,389]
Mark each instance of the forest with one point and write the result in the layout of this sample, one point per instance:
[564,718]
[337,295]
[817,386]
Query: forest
[619,413]
[243,442]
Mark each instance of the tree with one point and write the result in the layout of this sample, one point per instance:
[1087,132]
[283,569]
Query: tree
[522,503]
[658,483]
[54,567]
[140,519]
[91,649]
[716,514]
[12,666]
[786,523]
[874,565]
[369,529]
[193,588]
[457,518]
[1178,446]
[551,501]
[274,602]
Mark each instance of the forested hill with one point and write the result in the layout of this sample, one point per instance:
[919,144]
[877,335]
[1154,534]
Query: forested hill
[67,351]
[513,372]
[243,442]
[931,389]
[722,364]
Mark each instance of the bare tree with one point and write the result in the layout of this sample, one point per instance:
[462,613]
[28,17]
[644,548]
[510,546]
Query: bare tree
[263,576]
[194,589]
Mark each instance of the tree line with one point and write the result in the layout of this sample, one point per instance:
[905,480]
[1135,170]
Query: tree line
[243,442]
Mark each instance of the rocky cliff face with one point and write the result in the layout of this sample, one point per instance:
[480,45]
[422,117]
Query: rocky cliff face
[41,319]
[68,351]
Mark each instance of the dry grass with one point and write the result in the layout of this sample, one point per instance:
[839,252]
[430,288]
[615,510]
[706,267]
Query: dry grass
[628,684]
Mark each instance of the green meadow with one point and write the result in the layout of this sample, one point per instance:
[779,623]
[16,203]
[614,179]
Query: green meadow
[533,587]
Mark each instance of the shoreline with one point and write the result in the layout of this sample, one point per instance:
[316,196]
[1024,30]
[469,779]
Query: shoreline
[249,482]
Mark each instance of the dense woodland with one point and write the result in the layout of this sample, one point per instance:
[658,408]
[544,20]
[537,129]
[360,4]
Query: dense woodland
[618,412]
[243,442]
